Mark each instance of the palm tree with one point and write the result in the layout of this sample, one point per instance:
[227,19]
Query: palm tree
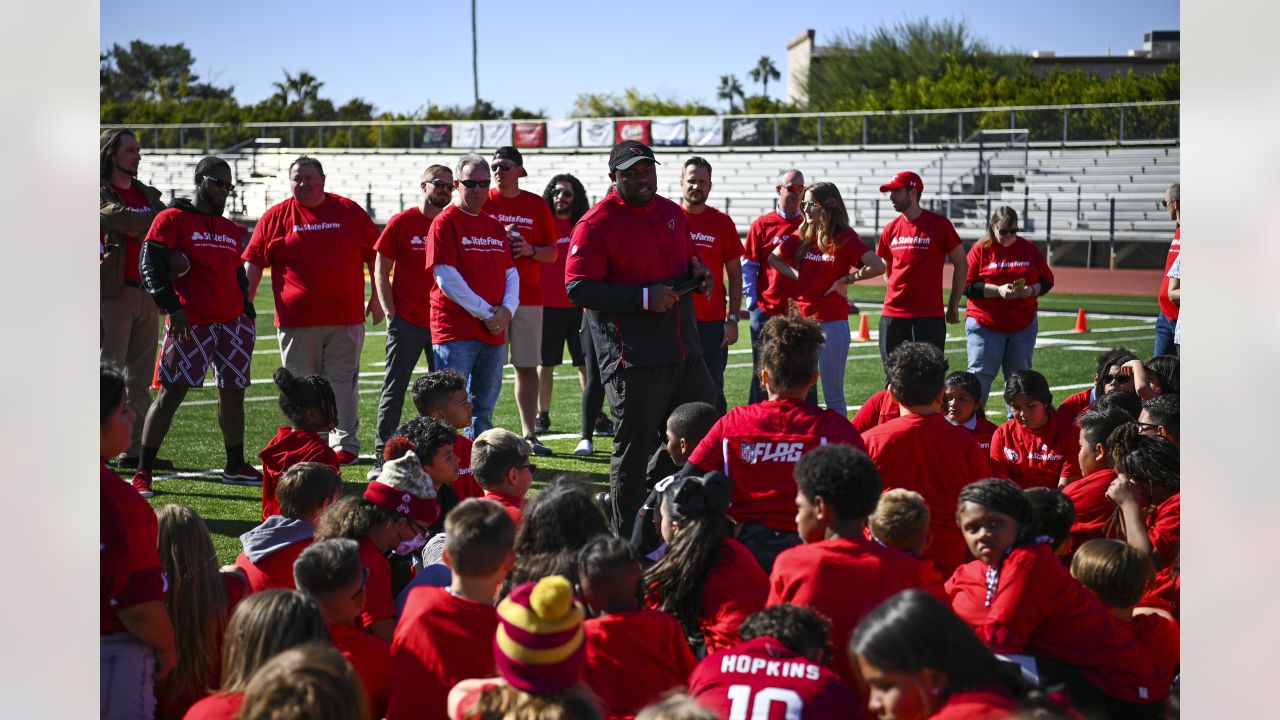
[764,71]
[729,89]
[304,88]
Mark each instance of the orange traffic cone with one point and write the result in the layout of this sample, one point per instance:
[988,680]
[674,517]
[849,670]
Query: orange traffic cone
[864,332]
[1082,325]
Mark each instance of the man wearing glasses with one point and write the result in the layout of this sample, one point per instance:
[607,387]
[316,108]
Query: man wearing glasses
[532,228]
[318,245]
[1168,308]
[477,290]
[406,299]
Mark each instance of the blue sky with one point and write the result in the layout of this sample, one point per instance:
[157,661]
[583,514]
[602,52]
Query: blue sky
[541,55]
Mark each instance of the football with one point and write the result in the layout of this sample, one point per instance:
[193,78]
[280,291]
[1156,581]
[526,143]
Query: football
[179,263]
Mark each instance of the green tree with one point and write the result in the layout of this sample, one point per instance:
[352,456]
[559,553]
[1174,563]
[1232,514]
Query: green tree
[145,72]
[632,102]
[764,71]
[303,89]
[729,89]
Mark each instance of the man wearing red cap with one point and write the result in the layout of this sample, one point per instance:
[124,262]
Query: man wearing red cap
[914,246]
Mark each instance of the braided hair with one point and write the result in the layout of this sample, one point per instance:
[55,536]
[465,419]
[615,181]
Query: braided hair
[1153,462]
[300,394]
[1003,496]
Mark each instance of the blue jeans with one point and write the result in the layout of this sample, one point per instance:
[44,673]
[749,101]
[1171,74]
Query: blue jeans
[989,351]
[831,364]
[481,364]
[1164,336]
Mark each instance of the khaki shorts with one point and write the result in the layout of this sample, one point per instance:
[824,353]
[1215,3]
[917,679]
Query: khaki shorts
[524,336]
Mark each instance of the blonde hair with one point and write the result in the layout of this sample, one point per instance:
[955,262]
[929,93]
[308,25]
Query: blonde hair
[504,702]
[196,599]
[901,520]
[265,624]
[1003,217]
[676,706]
[833,218]
[1117,573]
[309,682]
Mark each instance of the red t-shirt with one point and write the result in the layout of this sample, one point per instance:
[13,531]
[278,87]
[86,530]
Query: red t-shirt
[440,641]
[1039,609]
[1164,528]
[1036,458]
[404,242]
[1075,404]
[735,588]
[1161,638]
[1168,307]
[716,238]
[512,505]
[880,408]
[844,579]
[914,253]
[553,290]
[993,703]
[317,258]
[477,247]
[130,569]
[274,570]
[210,291]
[929,455]
[288,448]
[817,270]
[773,290]
[378,602]
[763,679]
[465,486]
[634,657]
[981,431]
[758,445]
[998,265]
[220,706]
[537,224]
[133,199]
[370,655]
[1094,511]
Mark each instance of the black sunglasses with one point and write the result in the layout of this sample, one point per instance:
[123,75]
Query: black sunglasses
[474,183]
[1014,231]
[363,583]
[440,183]
[562,191]
[225,185]
[1119,379]
[496,167]
[532,468]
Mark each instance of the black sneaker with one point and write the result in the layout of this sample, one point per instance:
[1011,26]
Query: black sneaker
[537,448]
[604,426]
[605,502]
[542,424]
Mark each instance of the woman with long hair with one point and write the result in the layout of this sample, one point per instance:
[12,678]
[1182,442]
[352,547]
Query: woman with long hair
[557,523]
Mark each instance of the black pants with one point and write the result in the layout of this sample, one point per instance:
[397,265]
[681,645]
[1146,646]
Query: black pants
[593,396]
[642,398]
[406,343]
[712,334]
[894,331]
[766,544]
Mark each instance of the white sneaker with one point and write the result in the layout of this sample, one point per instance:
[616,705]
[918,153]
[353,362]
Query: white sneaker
[584,447]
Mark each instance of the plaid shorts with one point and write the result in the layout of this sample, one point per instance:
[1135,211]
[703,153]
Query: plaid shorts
[228,345]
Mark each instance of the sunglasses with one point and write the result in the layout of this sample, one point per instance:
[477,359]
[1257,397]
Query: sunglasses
[558,193]
[469,184]
[1120,379]
[440,183]
[1014,231]
[1163,204]
[363,583]
[792,188]
[808,204]
[1145,427]
[532,468]
[228,186]
[501,167]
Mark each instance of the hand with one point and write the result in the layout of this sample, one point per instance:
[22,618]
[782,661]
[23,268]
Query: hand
[518,244]
[166,660]
[179,326]
[1127,368]
[661,297]
[374,310]
[1007,292]
[497,322]
[840,286]
[1122,491]
[953,315]
[730,331]
[698,269]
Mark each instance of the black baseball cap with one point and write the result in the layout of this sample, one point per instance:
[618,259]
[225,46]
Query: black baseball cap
[506,152]
[628,153]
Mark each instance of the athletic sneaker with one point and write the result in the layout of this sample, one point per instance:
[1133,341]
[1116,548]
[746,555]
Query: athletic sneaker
[142,483]
[542,424]
[604,426]
[537,448]
[131,463]
[347,458]
[584,447]
[246,474]
[374,472]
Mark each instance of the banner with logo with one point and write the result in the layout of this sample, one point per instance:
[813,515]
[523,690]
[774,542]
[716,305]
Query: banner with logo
[637,130]
[669,131]
[597,133]
[435,135]
[706,130]
[562,133]
[466,135]
[746,131]
[496,134]
[530,134]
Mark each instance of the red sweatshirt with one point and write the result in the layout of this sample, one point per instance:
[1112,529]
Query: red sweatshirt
[634,657]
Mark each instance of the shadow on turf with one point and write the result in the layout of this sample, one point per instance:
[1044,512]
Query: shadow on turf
[231,528]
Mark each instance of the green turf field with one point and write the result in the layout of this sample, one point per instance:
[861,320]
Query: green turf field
[195,445]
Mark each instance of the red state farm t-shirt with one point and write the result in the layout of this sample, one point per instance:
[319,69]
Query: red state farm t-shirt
[477,247]
[1168,307]
[537,225]
[758,446]
[1094,511]
[130,570]
[440,641]
[210,292]
[929,455]
[844,579]
[716,238]
[404,242]
[288,448]
[378,602]
[773,290]
[878,409]
[635,657]
[736,588]
[915,253]
[274,570]
[554,293]
[763,679]
[981,431]
[1074,405]
[999,265]
[370,655]
[133,199]
[817,270]
[317,258]
[465,486]
[1036,458]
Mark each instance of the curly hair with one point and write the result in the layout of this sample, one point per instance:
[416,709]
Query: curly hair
[917,372]
[1153,461]
[428,434]
[580,203]
[789,346]
[802,630]
[843,476]
[352,517]
[300,394]
[832,218]
[431,391]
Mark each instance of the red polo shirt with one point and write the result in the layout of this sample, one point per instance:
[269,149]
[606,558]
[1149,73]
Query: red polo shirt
[818,270]
[1034,458]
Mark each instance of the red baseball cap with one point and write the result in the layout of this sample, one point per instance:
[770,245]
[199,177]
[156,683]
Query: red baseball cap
[903,179]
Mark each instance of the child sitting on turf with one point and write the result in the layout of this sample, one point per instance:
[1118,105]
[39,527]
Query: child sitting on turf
[443,394]
[309,404]
[445,635]
[1119,576]
[1107,378]
[1054,513]
[901,520]
[1147,494]
[708,580]
[555,525]
[393,514]
[434,442]
[1038,445]
[1095,514]
[634,655]
[311,681]
[500,461]
[304,491]
[838,571]
[1160,417]
[686,426]
[880,408]
[962,407]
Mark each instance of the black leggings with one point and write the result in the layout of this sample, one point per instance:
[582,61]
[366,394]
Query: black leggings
[593,396]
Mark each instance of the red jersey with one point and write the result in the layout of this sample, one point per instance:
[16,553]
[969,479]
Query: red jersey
[317,258]
[378,602]
[844,579]
[999,265]
[716,238]
[1036,458]
[404,242]
[553,291]
[735,588]
[880,408]
[773,290]
[210,291]
[465,486]
[274,570]
[981,431]
[288,448]
[1168,308]
[929,455]
[635,657]
[818,270]
[1076,404]
[440,641]
[512,505]
[765,680]
[477,247]
[219,706]
[370,655]
[130,569]
[914,253]
[1039,609]
[990,703]
[133,199]
[1094,511]
[532,216]
[1161,639]
[758,446]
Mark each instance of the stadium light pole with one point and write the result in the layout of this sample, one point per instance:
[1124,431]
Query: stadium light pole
[475,65]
